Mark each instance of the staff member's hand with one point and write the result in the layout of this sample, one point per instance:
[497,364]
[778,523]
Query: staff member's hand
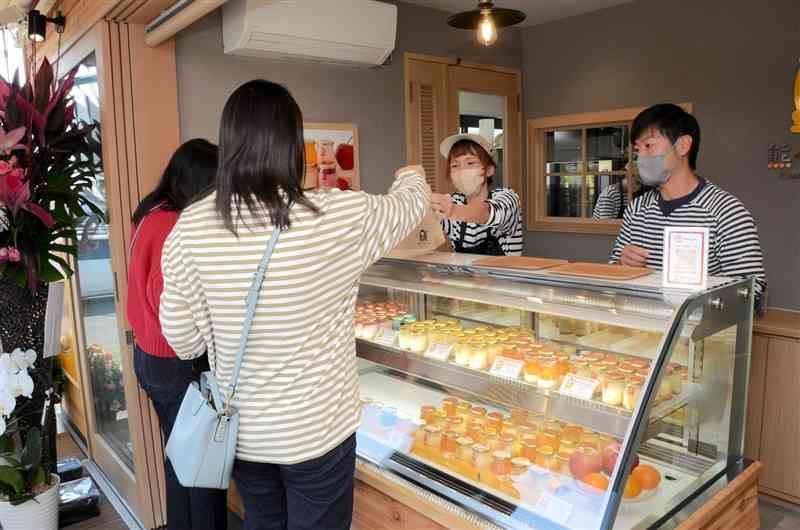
[634,256]
[442,204]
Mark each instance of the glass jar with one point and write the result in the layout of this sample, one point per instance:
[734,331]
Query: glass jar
[433,437]
[519,416]
[419,341]
[475,431]
[482,456]
[506,442]
[480,357]
[494,420]
[428,413]
[463,408]
[531,371]
[632,391]
[529,449]
[491,439]
[404,337]
[582,369]
[591,439]
[548,376]
[547,439]
[465,449]
[449,405]
[520,465]
[566,448]
[526,429]
[501,466]
[456,424]
[545,456]
[478,414]
[449,444]
[613,389]
[440,419]
[509,426]
[560,464]
[572,433]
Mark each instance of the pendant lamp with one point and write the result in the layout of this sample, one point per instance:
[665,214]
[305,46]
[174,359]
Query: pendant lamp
[485,20]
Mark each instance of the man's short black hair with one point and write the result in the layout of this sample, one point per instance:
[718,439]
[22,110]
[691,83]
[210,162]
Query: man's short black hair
[672,122]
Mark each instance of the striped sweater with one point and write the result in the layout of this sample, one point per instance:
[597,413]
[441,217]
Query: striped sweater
[298,393]
[505,223]
[734,247]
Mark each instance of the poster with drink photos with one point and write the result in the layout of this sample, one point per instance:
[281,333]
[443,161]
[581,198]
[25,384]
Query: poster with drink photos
[331,156]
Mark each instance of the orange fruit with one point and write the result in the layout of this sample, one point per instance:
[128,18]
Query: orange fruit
[596,480]
[632,488]
[648,476]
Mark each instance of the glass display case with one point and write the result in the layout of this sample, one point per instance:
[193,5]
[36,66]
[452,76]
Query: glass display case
[534,400]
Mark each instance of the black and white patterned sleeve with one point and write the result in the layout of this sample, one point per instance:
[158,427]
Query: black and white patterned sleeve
[504,207]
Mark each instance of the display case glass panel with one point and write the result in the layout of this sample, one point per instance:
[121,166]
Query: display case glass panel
[540,401]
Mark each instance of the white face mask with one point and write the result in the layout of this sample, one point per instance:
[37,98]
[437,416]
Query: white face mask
[468,181]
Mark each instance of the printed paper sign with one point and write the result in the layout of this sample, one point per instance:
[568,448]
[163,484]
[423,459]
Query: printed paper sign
[387,337]
[579,387]
[685,257]
[438,351]
[505,367]
[553,508]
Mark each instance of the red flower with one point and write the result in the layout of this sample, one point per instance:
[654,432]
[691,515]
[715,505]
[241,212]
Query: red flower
[15,194]
[9,254]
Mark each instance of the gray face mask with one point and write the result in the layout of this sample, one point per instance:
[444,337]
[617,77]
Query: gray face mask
[652,170]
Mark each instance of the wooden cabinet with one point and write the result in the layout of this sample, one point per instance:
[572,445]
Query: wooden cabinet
[773,422]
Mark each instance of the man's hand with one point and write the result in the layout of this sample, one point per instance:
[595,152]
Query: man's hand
[442,204]
[634,256]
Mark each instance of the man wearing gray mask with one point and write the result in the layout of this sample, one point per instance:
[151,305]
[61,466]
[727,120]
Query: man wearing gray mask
[666,141]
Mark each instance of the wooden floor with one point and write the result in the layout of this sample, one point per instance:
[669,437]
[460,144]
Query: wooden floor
[108,518]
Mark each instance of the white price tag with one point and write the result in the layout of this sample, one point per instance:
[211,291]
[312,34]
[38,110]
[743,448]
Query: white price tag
[685,257]
[387,337]
[553,508]
[438,351]
[579,387]
[505,367]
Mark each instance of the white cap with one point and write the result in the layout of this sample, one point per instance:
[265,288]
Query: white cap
[450,141]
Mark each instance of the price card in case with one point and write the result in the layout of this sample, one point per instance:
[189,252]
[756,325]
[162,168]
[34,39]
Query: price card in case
[505,367]
[579,387]
[553,508]
[439,351]
[387,337]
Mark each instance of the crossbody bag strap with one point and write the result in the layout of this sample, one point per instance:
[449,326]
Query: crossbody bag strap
[251,300]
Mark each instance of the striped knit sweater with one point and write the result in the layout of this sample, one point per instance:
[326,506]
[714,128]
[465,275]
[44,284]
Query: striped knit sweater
[298,391]
[734,247]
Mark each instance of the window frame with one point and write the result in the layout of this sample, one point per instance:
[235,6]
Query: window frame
[537,128]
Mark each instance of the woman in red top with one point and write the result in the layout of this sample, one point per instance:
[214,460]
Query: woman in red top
[163,376]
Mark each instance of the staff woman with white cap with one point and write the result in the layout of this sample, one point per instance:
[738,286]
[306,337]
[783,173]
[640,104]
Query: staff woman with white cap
[477,219]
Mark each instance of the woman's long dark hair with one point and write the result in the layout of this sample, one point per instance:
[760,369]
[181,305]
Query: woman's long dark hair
[190,171]
[261,154]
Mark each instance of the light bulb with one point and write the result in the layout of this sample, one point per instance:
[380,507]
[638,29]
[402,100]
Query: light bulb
[487,31]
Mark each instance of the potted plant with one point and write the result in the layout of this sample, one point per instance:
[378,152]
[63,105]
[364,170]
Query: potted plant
[28,494]
[48,166]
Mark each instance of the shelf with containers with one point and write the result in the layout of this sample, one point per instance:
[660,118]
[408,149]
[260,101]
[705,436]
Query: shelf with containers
[537,401]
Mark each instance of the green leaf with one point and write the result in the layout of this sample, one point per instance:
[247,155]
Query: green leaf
[32,454]
[12,478]
[6,444]
[36,476]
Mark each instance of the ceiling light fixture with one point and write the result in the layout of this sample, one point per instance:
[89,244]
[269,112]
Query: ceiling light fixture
[485,20]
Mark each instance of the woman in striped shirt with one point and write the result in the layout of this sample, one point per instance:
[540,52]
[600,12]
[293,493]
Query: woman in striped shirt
[666,140]
[477,220]
[297,395]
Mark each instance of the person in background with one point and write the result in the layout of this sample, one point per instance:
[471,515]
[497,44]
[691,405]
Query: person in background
[477,219]
[162,375]
[298,394]
[666,141]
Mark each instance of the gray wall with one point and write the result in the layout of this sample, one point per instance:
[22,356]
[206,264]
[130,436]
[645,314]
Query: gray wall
[734,59]
[373,99]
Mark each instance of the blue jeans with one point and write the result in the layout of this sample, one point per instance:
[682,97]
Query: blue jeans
[165,381]
[312,495]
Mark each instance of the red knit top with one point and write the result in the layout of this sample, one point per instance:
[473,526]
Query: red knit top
[145,282]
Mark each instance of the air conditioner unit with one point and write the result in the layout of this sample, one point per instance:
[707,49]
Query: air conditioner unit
[351,32]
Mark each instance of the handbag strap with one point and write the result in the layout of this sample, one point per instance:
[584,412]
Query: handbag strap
[251,300]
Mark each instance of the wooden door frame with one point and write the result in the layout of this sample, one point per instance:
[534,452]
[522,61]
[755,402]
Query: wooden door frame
[514,168]
[140,131]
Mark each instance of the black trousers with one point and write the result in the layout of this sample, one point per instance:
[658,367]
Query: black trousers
[312,495]
[165,381]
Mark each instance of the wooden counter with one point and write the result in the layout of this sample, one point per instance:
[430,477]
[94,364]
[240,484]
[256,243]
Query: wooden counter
[773,416]
[778,323]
